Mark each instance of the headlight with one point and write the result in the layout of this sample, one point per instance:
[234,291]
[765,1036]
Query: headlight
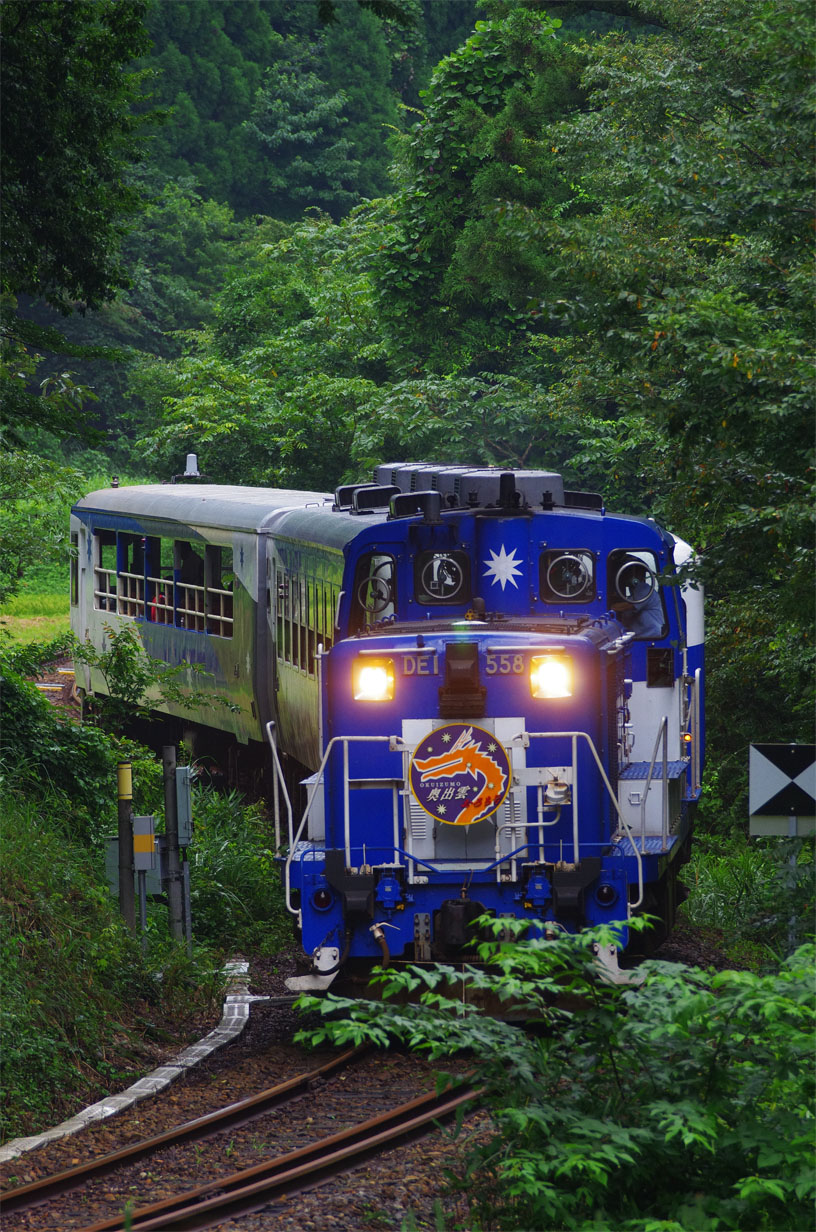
[551,676]
[372,680]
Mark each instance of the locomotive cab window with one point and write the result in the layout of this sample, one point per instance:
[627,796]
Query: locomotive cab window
[442,577]
[567,576]
[375,590]
[634,593]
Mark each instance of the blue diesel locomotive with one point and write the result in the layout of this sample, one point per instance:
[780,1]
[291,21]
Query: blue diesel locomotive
[491,688]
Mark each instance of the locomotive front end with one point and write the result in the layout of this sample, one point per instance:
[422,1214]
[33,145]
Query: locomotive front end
[477,727]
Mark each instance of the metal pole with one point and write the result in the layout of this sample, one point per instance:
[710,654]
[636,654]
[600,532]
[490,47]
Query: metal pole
[188,918]
[127,902]
[142,875]
[174,888]
[793,861]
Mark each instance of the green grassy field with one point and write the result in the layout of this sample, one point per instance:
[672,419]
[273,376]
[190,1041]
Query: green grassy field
[39,612]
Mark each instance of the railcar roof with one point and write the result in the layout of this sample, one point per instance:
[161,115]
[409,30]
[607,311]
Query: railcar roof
[217,505]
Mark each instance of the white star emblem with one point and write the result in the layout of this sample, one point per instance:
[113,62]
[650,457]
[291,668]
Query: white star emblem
[503,568]
[445,738]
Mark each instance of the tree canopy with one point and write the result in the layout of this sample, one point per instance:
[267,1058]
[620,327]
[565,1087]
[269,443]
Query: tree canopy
[596,257]
[69,134]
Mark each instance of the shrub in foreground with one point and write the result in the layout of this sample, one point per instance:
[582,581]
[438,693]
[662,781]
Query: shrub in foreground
[678,1104]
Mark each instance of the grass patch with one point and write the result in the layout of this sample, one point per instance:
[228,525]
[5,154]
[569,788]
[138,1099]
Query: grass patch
[40,611]
[236,893]
[79,1005]
[756,895]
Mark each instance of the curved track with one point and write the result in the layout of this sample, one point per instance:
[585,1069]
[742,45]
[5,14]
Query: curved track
[225,1118]
[250,1190]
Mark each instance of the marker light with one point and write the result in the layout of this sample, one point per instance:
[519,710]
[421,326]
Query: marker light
[551,676]
[372,680]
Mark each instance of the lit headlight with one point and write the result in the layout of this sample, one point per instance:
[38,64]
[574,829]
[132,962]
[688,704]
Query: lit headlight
[551,676]
[372,680]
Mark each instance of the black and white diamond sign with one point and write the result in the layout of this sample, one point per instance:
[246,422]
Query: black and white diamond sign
[782,789]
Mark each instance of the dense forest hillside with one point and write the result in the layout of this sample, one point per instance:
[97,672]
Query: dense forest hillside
[298,238]
[302,238]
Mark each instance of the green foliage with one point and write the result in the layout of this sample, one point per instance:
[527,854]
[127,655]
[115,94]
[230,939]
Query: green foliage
[34,494]
[60,932]
[68,133]
[296,118]
[31,658]
[77,997]
[234,885]
[208,59]
[255,93]
[273,393]
[757,895]
[643,1107]
[41,749]
[176,253]
[482,139]
[134,682]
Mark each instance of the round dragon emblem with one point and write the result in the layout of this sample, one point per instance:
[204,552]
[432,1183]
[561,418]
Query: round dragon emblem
[460,774]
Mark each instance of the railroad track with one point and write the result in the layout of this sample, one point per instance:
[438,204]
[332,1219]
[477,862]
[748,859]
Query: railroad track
[252,1189]
[229,1117]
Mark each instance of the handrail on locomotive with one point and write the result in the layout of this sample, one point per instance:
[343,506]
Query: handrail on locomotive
[522,739]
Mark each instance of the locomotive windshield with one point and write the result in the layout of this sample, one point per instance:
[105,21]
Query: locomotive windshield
[442,577]
[634,593]
[375,590]
[567,576]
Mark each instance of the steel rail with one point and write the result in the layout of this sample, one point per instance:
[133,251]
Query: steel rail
[250,1190]
[213,1122]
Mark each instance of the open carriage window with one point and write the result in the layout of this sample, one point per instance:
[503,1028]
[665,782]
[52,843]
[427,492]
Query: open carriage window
[131,565]
[161,586]
[220,582]
[190,606]
[105,597]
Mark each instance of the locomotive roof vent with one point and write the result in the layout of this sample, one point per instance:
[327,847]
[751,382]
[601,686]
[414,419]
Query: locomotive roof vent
[408,504]
[344,494]
[367,498]
[403,475]
[492,486]
[480,487]
[583,500]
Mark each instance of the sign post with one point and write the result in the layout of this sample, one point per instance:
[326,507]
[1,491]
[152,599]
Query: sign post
[782,790]
[782,796]
[124,790]
[144,862]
